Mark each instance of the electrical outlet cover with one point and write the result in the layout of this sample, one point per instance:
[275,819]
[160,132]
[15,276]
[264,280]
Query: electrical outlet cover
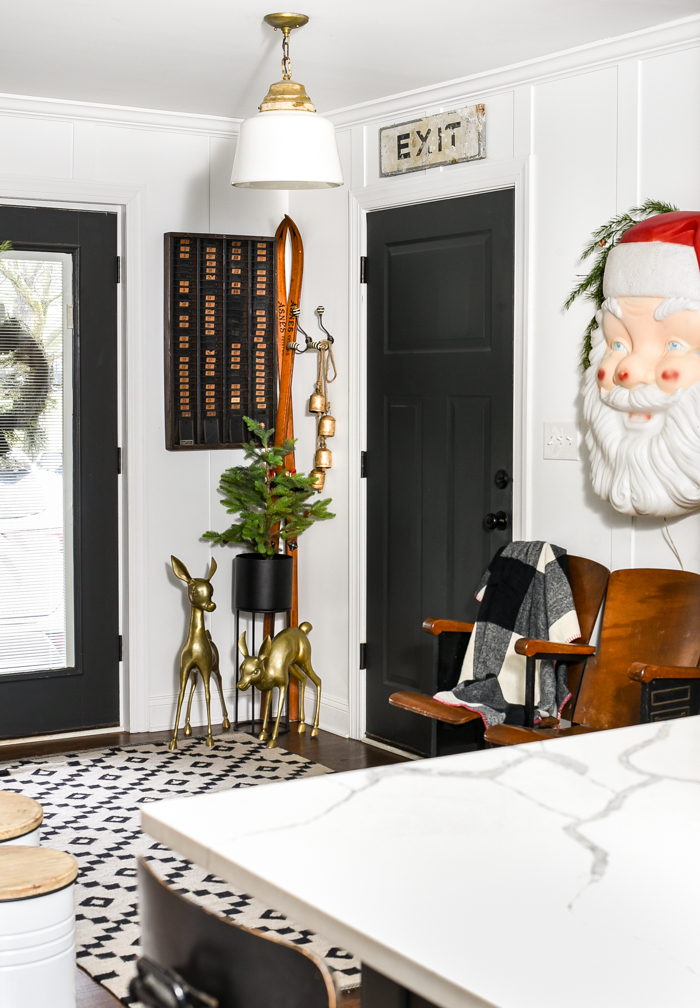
[561,441]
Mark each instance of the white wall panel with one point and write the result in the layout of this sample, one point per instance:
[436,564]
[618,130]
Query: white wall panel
[36,147]
[669,160]
[670,137]
[323,552]
[574,180]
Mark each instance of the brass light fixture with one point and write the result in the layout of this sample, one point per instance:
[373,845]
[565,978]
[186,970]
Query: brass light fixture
[286,145]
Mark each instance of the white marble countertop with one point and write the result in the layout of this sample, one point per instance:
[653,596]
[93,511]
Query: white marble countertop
[557,873]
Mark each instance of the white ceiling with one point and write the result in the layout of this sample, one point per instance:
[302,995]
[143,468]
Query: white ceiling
[218,57]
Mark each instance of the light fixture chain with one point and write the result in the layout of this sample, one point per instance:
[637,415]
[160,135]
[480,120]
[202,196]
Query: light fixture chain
[286,63]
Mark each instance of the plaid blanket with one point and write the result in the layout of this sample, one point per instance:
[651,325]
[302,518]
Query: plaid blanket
[525,592]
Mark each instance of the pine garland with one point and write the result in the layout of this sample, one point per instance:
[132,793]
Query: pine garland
[602,241]
[263,495]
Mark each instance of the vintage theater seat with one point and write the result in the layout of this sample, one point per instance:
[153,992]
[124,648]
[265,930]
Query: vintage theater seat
[646,666]
[456,729]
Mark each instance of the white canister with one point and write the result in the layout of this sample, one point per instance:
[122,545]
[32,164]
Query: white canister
[32,839]
[37,928]
[20,819]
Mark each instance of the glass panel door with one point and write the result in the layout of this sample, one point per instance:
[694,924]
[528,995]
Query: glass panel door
[36,462]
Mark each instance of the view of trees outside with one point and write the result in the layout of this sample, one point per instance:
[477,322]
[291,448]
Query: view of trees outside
[32,507]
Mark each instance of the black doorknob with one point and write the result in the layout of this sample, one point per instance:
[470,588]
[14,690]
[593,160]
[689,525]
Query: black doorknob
[496,521]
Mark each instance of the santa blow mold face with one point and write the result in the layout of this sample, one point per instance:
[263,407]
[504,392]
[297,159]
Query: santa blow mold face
[641,392]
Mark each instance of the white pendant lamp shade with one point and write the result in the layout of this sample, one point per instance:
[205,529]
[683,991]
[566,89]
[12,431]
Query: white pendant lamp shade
[287,145]
[287,149]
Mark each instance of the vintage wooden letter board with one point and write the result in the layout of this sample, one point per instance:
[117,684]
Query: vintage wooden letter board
[219,338]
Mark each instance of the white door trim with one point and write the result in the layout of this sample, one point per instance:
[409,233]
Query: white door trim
[436,185]
[127,201]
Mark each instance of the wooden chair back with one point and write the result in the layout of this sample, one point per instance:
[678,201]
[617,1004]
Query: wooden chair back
[650,616]
[588,583]
[239,967]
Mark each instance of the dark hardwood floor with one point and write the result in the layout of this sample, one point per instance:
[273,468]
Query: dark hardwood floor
[333,751]
[336,753]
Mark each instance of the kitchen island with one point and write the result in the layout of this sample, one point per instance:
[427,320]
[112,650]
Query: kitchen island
[561,873]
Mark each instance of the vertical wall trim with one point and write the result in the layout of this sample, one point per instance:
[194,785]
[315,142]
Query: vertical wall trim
[628,114]
[357,443]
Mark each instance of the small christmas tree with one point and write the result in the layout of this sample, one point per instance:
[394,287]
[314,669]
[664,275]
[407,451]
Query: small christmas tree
[271,504]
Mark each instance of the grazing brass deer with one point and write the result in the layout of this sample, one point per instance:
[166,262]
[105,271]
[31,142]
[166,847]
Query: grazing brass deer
[199,653]
[289,653]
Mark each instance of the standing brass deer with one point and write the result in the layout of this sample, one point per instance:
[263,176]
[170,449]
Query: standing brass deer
[199,653]
[288,654]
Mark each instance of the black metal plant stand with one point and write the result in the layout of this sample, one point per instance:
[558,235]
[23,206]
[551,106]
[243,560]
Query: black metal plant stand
[284,722]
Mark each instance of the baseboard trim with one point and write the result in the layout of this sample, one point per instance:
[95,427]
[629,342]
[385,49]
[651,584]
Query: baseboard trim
[115,730]
[389,748]
[335,713]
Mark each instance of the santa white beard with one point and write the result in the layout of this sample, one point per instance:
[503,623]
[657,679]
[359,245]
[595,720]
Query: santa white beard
[650,468]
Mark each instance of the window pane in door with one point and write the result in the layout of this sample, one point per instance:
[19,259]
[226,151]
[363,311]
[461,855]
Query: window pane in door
[36,411]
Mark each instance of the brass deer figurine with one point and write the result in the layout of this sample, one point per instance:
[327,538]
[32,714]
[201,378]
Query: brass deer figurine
[199,653]
[289,653]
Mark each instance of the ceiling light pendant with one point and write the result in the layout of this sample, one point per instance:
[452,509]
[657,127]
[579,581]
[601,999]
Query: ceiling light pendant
[286,145]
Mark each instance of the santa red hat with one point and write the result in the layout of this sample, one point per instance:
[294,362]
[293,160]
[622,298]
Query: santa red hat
[659,257]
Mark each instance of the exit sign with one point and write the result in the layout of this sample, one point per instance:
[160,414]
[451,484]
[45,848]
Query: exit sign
[443,139]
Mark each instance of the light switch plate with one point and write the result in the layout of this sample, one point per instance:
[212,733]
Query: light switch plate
[561,441]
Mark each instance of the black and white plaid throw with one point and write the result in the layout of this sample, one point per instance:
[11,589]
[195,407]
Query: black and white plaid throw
[525,592]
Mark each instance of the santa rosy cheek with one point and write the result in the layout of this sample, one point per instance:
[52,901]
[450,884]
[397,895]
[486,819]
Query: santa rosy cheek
[622,375]
[670,375]
[601,375]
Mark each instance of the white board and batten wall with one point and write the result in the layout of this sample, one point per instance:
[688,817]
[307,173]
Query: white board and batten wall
[581,136]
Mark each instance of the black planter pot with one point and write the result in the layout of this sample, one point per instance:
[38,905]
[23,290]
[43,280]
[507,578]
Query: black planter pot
[262,584]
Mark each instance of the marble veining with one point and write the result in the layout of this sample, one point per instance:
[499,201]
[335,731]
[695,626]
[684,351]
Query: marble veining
[504,877]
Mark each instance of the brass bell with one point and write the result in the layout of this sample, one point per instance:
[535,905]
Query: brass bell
[318,477]
[323,458]
[326,426]
[317,403]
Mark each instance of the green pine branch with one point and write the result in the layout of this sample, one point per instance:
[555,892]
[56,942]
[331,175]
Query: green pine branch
[602,241]
[270,505]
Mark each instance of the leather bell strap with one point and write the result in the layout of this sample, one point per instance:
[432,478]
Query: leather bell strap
[284,425]
[287,325]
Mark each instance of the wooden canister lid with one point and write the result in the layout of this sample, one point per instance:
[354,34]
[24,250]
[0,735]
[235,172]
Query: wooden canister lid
[18,815]
[34,871]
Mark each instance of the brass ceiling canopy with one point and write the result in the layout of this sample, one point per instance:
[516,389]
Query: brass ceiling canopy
[286,22]
[286,95]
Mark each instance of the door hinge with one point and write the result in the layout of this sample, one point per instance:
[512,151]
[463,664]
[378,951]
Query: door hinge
[363,465]
[118,273]
[121,647]
[119,461]
[363,269]
[363,656]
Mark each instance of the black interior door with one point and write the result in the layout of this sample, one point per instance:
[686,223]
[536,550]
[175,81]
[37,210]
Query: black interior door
[54,679]
[439,441]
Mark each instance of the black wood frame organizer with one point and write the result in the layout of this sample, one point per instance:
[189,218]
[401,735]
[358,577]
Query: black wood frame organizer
[219,338]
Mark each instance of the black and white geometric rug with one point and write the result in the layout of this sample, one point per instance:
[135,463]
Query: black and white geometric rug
[92,802]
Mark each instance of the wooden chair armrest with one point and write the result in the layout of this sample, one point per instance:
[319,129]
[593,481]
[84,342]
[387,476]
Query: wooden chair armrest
[503,734]
[438,626]
[420,703]
[647,673]
[536,648]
